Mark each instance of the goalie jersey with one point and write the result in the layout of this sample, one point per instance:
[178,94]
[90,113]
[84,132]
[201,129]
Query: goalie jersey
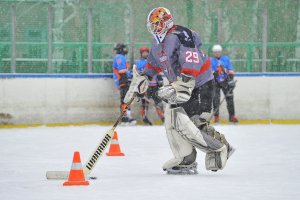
[179,53]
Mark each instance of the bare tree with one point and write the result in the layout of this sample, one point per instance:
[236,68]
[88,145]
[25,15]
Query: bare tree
[59,23]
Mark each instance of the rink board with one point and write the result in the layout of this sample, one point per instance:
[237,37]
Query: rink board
[34,99]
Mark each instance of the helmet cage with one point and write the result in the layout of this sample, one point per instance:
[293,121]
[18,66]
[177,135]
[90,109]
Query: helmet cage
[162,25]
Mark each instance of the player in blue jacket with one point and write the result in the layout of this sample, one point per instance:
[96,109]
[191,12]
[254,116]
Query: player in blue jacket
[120,75]
[224,74]
[154,85]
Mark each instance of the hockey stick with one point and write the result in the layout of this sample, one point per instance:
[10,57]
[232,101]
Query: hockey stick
[97,153]
[227,94]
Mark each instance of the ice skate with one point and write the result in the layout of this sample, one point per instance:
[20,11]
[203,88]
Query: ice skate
[147,121]
[131,121]
[183,169]
[233,119]
[216,119]
[126,121]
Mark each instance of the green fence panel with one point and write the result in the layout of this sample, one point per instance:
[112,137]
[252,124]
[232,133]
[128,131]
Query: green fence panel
[236,24]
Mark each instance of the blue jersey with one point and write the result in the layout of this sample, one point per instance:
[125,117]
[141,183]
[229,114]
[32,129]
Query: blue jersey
[140,64]
[222,68]
[140,67]
[119,67]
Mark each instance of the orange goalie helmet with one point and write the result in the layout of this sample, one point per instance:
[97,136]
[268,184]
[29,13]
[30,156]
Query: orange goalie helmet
[159,21]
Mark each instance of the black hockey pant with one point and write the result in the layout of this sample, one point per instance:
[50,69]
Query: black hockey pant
[229,99]
[200,101]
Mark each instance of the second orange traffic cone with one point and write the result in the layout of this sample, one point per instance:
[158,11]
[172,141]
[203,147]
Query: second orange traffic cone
[114,149]
[76,176]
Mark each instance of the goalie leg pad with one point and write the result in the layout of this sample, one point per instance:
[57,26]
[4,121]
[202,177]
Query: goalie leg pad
[210,133]
[182,149]
[216,160]
[204,126]
[187,129]
[189,159]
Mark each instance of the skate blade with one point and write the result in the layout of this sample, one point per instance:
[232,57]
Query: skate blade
[189,171]
[194,172]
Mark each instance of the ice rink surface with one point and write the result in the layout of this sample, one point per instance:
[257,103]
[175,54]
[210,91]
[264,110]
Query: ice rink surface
[266,165]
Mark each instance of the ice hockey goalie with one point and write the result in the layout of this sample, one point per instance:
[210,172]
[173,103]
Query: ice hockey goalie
[176,51]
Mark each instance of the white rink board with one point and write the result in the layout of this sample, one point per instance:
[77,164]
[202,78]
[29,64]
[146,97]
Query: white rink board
[267,98]
[67,100]
[59,100]
[265,165]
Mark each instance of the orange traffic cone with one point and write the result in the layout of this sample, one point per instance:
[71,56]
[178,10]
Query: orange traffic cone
[114,149]
[76,176]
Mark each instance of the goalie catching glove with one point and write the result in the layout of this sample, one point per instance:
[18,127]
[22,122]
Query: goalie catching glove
[179,91]
[139,84]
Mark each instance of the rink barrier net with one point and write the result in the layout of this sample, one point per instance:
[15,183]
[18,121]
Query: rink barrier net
[74,37]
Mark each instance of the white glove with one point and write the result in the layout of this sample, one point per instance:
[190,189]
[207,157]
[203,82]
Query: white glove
[139,84]
[179,91]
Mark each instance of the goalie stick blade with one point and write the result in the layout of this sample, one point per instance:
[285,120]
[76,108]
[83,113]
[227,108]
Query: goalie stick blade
[62,175]
[57,175]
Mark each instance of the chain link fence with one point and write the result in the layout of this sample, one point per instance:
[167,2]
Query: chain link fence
[77,36]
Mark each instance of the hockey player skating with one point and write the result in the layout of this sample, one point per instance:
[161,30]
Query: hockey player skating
[154,84]
[176,51]
[224,74]
[120,75]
